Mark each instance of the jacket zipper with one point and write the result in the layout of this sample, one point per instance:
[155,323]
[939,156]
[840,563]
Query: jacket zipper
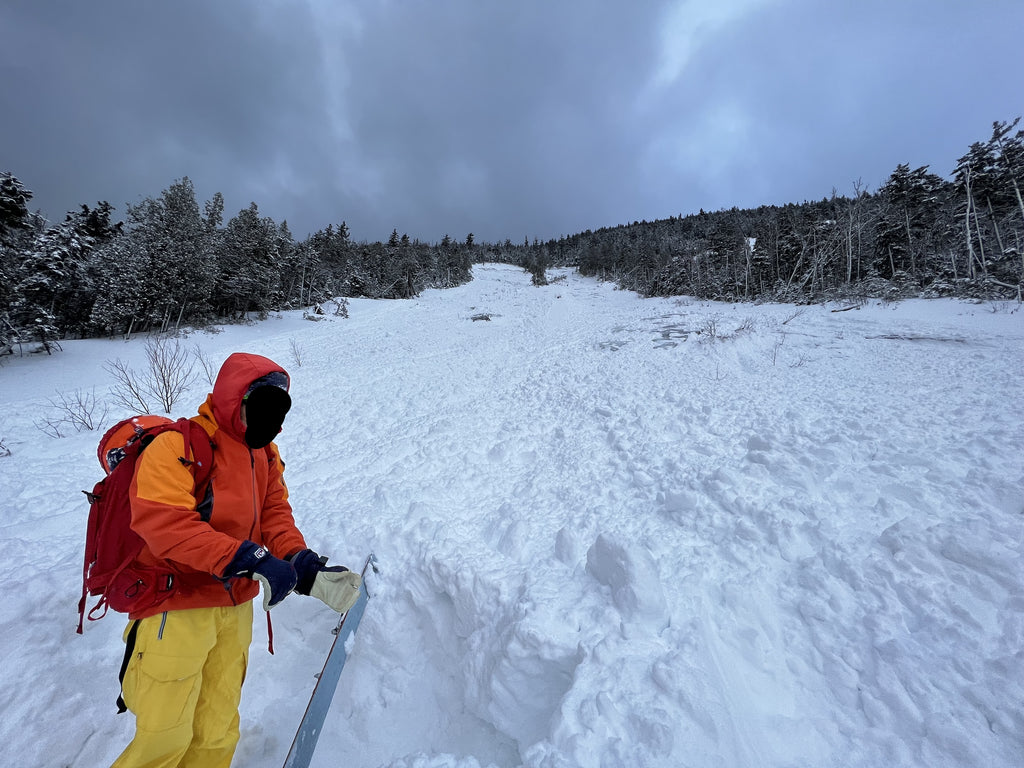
[255,517]
[255,505]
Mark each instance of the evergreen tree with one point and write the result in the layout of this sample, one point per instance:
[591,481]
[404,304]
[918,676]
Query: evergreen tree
[160,269]
[15,226]
[214,210]
[13,204]
[41,278]
[171,247]
[1000,190]
[973,178]
[304,278]
[186,235]
[92,228]
[910,205]
[249,276]
[96,223]
[122,291]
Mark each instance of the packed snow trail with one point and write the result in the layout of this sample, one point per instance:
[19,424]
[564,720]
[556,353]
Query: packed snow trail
[612,531]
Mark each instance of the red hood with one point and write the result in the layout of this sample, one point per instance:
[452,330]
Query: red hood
[239,371]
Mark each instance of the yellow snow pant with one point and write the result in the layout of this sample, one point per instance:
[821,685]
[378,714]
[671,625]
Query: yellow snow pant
[183,684]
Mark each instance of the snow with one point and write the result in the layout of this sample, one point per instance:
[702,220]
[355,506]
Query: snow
[612,531]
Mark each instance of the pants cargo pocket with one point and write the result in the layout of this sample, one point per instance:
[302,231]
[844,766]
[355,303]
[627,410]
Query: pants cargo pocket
[170,687]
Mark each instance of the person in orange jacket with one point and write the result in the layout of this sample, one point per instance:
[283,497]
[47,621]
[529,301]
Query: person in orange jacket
[185,658]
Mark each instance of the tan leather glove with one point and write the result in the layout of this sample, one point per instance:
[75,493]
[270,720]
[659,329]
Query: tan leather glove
[338,589]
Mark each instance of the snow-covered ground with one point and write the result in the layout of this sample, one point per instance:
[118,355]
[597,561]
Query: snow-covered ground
[612,531]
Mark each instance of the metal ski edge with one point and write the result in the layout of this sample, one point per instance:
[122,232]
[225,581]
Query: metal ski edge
[308,732]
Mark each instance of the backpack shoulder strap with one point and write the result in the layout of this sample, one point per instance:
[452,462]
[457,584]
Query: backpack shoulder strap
[199,446]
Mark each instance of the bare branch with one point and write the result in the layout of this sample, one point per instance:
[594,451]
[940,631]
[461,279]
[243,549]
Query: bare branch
[794,316]
[128,390]
[171,372]
[51,426]
[208,368]
[80,410]
[296,350]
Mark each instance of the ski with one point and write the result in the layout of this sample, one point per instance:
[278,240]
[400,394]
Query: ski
[301,752]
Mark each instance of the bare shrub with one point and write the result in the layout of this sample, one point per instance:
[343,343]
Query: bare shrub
[80,411]
[799,362]
[129,390]
[794,316]
[709,330]
[51,426]
[296,349]
[747,326]
[170,372]
[4,450]
[778,345]
[205,363]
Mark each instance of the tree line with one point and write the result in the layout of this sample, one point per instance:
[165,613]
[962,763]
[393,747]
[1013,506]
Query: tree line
[171,262]
[918,235]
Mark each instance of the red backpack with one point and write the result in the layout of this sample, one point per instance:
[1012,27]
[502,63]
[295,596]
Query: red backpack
[111,546]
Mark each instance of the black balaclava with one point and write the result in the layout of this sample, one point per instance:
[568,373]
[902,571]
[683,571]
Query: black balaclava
[266,404]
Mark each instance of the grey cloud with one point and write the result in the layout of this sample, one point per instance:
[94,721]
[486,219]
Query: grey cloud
[505,119]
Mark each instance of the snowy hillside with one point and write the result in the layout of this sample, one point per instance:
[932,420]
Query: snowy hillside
[612,532]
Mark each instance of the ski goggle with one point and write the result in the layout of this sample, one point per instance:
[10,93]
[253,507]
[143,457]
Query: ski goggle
[275,379]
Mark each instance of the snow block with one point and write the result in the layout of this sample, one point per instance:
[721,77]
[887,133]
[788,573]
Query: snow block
[632,575]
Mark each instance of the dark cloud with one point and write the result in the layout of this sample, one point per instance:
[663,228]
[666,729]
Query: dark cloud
[116,100]
[495,118]
[797,98]
[505,119]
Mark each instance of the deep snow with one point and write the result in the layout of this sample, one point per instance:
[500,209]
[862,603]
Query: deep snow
[612,531]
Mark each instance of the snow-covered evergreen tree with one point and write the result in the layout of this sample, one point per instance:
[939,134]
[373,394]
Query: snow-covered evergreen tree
[41,279]
[304,278]
[188,253]
[89,228]
[13,204]
[169,247]
[14,223]
[122,290]
[214,210]
[910,205]
[249,265]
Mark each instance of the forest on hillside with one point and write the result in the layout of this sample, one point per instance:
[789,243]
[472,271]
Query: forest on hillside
[170,263]
[918,235]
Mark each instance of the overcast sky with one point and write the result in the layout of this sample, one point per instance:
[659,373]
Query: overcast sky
[505,118]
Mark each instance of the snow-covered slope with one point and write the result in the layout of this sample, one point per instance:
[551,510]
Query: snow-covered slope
[612,532]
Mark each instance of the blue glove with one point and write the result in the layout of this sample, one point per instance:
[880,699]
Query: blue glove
[307,565]
[335,585]
[255,562]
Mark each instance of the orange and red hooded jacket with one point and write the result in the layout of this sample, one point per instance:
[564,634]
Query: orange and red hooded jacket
[246,499]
